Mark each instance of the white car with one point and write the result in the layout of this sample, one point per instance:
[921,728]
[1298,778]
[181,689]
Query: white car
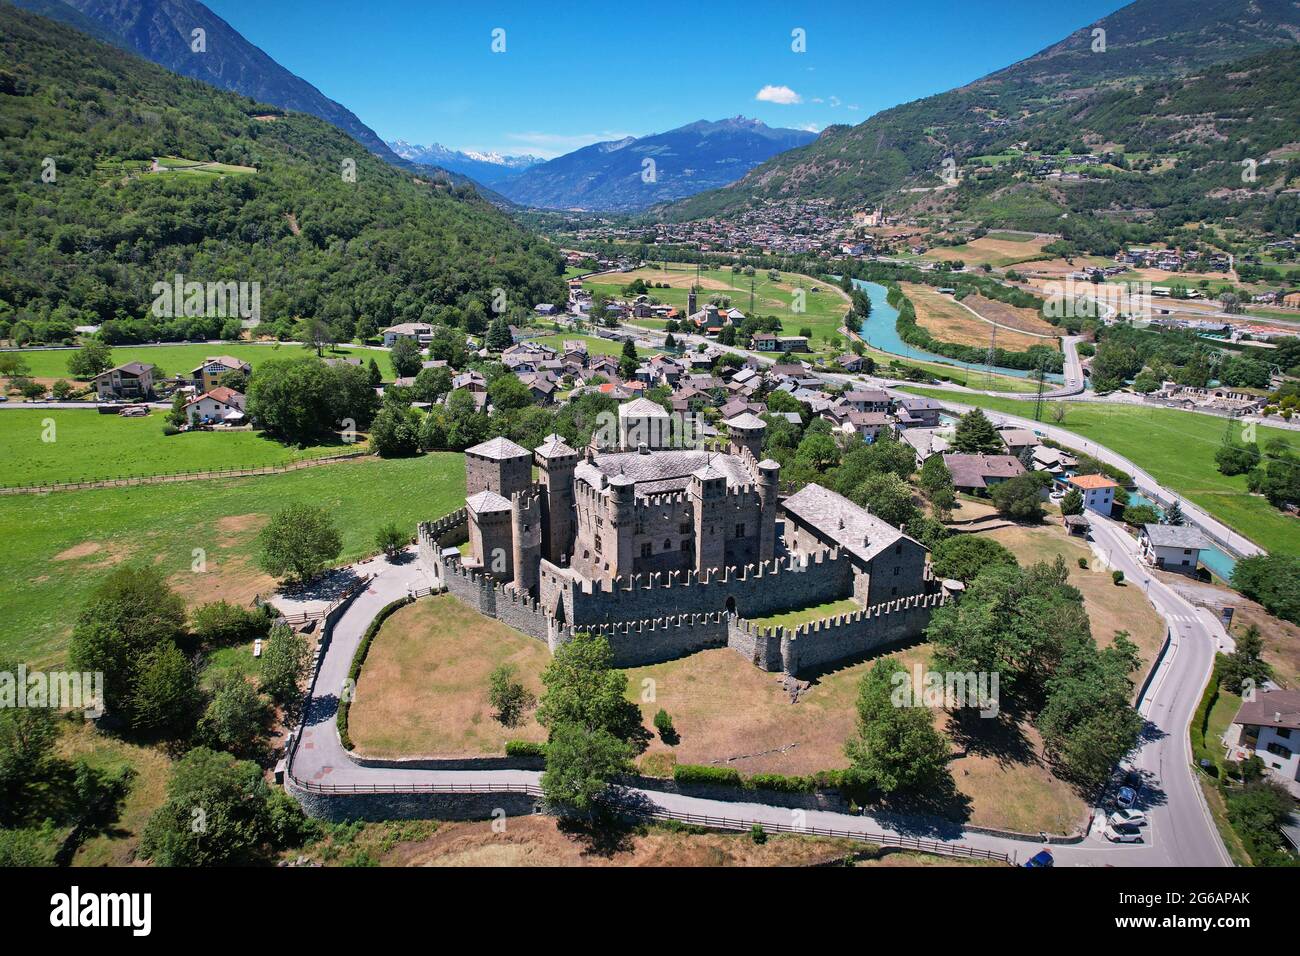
[1128,818]
[1123,834]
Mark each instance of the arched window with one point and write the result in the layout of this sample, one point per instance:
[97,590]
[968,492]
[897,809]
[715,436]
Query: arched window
[668,545]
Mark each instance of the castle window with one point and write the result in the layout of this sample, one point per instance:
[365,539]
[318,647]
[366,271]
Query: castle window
[686,545]
[684,527]
[668,545]
[740,530]
[898,549]
[598,544]
[895,572]
[647,549]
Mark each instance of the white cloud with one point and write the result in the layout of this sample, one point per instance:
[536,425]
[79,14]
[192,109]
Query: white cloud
[778,94]
[854,106]
[835,101]
[810,128]
[818,99]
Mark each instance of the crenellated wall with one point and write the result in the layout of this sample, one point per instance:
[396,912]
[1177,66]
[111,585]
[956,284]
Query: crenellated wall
[817,644]
[651,641]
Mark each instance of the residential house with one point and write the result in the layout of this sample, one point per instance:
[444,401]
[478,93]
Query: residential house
[1268,727]
[1053,461]
[918,413]
[850,362]
[1172,547]
[420,332]
[1017,440]
[976,474]
[207,375]
[132,382]
[868,400]
[926,442]
[218,405]
[1098,492]
[867,425]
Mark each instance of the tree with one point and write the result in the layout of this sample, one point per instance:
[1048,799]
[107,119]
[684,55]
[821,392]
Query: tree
[895,748]
[580,762]
[583,689]
[431,384]
[285,659]
[1235,458]
[507,695]
[975,434]
[498,334]
[374,377]
[393,433]
[298,543]
[293,399]
[1021,497]
[1072,503]
[936,484]
[507,393]
[128,615]
[630,361]
[235,718]
[1174,514]
[166,695]
[963,556]
[1273,580]
[176,414]
[391,539]
[221,623]
[27,739]
[91,359]
[887,497]
[405,356]
[1245,666]
[218,812]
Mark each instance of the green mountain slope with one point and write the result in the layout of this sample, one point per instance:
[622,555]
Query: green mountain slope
[1030,102]
[89,246]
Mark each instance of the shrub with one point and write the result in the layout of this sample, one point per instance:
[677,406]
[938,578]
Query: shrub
[524,748]
[1117,576]
[758,834]
[170,429]
[690,773]
[664,724]
[220,622]
[508,696]
[1083,563]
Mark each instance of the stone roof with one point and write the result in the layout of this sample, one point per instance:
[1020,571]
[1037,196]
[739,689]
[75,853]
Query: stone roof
[707,473]
[486,501]
[745,420]
[641,408]
[499,449]
[553,446]
[661,471]
[973,471]
[1175,536]
[848,525]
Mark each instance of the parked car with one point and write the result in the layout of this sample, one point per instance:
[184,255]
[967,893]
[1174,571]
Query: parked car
[1041,858]
[1128,818]
[1126,797]
[1123,834]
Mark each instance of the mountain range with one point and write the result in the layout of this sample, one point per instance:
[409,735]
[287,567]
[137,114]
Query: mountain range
[635,173]
[1044,102]
[485,168]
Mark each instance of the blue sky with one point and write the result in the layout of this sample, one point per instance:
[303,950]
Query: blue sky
[574,73]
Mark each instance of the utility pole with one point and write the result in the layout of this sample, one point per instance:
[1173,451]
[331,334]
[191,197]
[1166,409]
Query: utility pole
[751,296]
[989,357]
[1038,402]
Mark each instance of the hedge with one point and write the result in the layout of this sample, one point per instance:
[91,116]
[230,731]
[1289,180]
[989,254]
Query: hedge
[1201,720]
[524,748]
[359,658]
[685,773]
[688,773]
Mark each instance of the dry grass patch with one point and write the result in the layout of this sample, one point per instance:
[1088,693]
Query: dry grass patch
[424,688]
[949,321]
[1003,313]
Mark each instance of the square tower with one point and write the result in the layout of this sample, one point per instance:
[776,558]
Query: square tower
[499,466]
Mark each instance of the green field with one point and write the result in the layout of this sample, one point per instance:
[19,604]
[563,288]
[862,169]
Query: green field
[173,359]
[595,344]
[195,167]
[1177,448]
[58,546]
[824,313]
[87,446]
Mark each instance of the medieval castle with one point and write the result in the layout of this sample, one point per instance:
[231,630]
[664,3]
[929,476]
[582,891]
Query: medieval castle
[668,550]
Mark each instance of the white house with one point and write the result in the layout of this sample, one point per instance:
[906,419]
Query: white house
[420,331]
[1098,492]
[216,406]
[1268,727]
[1172,547]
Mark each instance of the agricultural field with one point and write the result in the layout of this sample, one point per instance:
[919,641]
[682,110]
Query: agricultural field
[995,249]
[826,303]
[595,344]
[172,359]
[44,446]
[60,545]
[1177,448]
[970,321]
[194,167]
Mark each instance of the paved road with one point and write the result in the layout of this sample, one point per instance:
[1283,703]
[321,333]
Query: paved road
[1178,832]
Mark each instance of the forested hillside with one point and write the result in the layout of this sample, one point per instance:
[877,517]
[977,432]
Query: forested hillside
[1070,98]
[88,246]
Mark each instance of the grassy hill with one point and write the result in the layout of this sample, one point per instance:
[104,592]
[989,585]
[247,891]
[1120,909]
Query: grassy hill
[87,247]
[1069,100]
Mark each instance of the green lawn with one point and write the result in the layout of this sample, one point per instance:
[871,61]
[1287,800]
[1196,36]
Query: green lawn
[807,614]
[171,359]
[58,546]
[1177,448]
[88,446]
[595,344]
[824,309]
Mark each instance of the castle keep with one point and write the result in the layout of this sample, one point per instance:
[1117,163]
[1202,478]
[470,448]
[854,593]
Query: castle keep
[667,550]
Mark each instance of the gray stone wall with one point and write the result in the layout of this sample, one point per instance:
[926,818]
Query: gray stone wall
[658,639]
[338,807]
[816,645]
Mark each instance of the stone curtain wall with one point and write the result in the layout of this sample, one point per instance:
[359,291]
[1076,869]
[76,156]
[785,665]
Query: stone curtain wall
[446,532]
[753,590]
[652,641]
[819,643]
